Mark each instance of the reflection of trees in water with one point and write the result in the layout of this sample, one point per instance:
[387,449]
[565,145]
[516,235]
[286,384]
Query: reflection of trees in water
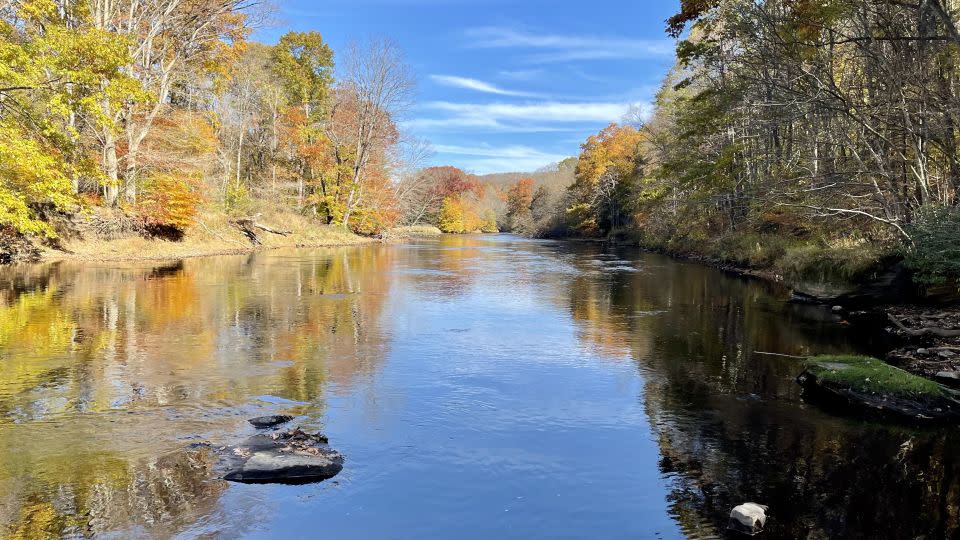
[103,492]
[729,422]
[124,359]
[447,267]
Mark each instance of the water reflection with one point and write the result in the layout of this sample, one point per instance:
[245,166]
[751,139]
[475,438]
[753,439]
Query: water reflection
[107,369]
[479,386]
[730,423]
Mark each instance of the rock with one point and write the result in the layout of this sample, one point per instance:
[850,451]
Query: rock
[922,351]
[264,422]
[938,407]
[837,309]
[748,518]
[281,466]
[953,375]
[946,354]
[289,457]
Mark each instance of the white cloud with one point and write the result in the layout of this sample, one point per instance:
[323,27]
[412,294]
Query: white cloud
[485,159]
[551,112]
[563,48]
[476,85]
[518,118]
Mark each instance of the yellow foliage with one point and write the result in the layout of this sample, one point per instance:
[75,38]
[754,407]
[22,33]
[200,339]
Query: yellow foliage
[451,215]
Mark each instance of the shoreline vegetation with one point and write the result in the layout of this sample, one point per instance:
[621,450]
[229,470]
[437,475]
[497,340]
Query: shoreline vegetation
[787,142]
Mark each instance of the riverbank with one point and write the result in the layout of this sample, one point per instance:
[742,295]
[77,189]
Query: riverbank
[212,234]
[917,332]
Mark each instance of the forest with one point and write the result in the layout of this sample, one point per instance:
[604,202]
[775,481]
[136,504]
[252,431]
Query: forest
[817,138]
[127,118]
[814,137]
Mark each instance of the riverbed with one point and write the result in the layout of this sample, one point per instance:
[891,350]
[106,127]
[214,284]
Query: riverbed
[479,387]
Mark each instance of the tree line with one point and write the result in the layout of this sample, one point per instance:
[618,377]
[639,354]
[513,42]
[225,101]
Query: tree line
[790,133]
[151,112]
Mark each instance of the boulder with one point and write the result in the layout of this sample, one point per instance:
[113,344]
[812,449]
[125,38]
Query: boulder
[748,518]
[265,422]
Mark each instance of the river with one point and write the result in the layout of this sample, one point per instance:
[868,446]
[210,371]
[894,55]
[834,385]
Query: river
[479,387]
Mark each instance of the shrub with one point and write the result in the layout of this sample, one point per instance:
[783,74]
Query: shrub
[371,222]
[934,253]
[489,224]
[169,204]
[237,199]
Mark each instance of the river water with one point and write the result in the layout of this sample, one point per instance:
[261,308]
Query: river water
[479,386]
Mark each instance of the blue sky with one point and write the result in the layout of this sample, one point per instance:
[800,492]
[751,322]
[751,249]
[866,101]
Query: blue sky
[506,85]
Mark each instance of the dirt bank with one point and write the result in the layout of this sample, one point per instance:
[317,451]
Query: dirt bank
[215,234]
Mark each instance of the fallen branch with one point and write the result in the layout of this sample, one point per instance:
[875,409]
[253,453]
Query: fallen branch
[247,226]
[269,230]
[925,331]
[780,354]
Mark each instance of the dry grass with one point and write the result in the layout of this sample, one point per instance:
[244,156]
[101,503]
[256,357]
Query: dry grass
[411,231]
[213,234]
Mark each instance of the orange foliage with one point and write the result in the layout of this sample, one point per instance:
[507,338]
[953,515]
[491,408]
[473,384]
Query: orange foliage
[170,203]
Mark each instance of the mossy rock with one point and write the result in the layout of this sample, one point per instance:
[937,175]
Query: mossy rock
[872,385]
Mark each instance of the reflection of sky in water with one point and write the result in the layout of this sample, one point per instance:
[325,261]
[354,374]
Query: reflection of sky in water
[479,387]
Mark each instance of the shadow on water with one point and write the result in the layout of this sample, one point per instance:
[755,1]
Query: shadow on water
[731,425]
[467,379]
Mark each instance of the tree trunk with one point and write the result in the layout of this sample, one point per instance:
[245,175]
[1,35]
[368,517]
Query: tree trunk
[112,169]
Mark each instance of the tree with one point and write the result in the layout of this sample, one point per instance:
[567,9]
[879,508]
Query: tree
[519,204]
[376,89]
[54,70]
[607,174]
[167,40]
[451,219]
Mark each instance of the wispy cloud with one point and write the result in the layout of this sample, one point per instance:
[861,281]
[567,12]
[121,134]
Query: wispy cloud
[521,74]
[539,112]
[476,85]
[563,48]
[517,118]
[485,159]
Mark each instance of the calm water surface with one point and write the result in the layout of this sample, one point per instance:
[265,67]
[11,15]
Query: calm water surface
[480,387]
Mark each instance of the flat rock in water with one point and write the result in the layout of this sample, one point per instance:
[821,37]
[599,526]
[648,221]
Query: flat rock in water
[282,466]
[289,457]
[264,422]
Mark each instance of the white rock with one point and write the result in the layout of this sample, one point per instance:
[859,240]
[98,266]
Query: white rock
[748,518]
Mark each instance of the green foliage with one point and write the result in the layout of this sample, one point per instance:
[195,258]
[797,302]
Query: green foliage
[934,254]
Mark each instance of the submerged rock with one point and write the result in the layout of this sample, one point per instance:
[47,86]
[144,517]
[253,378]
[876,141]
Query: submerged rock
[748,518]
[871,385]
[264,422]
[290,457]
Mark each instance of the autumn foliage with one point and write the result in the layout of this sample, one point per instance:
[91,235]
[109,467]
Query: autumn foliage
[169,204]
